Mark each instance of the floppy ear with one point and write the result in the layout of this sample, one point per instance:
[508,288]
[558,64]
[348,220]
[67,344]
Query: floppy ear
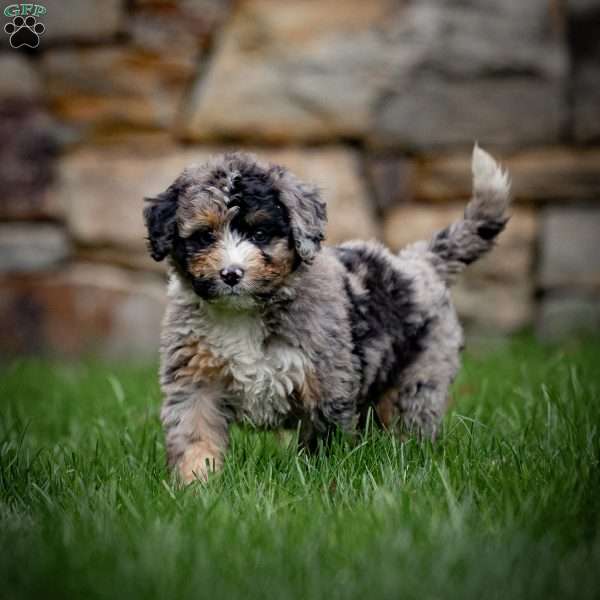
[308,217]
[159,215]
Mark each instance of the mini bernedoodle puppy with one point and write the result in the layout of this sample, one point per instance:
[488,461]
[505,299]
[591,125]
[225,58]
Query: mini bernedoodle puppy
[265,325]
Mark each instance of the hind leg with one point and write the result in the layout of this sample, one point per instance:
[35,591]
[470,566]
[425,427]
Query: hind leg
[421,407]
[421,398]
[413,409]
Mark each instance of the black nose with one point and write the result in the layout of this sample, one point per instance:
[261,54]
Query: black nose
[232,275]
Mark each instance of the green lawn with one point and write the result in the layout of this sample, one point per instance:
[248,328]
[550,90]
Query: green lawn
[505,505]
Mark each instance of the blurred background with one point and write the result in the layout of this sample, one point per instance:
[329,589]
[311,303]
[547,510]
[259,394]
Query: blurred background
[377,101]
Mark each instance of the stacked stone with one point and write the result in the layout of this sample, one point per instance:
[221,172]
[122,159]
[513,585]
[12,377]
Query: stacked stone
[378,102]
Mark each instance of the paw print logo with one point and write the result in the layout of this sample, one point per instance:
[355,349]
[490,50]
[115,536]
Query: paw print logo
[24,32]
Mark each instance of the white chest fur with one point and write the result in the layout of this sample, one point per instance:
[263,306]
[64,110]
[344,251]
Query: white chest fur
[263,370]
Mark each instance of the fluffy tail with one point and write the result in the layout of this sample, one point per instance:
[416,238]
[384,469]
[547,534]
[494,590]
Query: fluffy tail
[463,242]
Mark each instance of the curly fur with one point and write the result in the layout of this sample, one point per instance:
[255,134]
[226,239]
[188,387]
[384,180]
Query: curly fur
[309,334]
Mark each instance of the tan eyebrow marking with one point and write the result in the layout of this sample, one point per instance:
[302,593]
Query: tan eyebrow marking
[206,217]
[257,217]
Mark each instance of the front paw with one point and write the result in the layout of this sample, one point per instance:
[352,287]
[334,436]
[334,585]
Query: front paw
[198,463]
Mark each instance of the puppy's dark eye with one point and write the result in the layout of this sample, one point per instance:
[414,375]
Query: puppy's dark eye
[201,238]
[260,236]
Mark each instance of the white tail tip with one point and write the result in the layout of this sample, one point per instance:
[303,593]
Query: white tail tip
[487,173]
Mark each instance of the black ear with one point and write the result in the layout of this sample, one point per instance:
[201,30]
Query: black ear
[159,215]
[308,216]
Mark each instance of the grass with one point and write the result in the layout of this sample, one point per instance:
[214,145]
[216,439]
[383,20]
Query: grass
[505,505]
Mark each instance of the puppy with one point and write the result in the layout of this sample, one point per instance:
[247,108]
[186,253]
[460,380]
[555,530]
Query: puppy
[265,325]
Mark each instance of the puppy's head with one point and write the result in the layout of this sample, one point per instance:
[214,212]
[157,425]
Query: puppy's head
[235,228]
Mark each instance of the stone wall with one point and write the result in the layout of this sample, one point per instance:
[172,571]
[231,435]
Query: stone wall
[378,102]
